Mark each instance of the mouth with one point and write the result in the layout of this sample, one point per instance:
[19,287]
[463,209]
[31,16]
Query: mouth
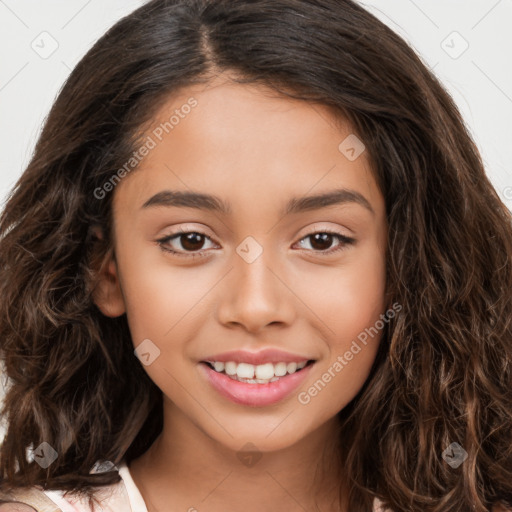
[257,374]
[241,383]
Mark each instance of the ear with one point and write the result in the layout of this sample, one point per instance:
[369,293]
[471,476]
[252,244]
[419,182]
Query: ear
[107,294]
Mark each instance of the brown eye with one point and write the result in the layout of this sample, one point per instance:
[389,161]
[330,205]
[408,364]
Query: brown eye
[187,244]
[322,241]
[192,241]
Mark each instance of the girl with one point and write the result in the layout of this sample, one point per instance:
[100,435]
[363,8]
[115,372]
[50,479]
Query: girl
[255,262]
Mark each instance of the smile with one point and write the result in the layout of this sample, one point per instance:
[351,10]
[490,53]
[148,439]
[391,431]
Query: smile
[256,374]
[255,386]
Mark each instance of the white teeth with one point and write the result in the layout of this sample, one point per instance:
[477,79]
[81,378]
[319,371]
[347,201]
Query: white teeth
[245,371]
[280,369]
[291,367]
[219,366]
[255,381]
[265,371]
[230,368]
[260,374]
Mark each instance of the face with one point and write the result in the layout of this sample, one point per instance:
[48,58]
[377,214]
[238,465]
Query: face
[272,270]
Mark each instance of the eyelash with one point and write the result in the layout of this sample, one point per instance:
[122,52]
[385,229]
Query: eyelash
[345,240]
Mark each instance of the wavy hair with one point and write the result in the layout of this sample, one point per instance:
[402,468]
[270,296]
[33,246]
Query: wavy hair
[443,372]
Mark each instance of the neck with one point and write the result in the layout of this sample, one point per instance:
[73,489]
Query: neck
[189,470]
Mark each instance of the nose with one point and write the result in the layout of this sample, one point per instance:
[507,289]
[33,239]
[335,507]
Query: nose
[255,295]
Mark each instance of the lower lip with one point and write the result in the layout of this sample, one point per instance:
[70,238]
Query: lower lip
[255,395]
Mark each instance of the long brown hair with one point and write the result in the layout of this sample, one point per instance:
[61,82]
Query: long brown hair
[443,372]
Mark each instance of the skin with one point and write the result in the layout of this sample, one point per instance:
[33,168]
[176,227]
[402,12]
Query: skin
[255,150]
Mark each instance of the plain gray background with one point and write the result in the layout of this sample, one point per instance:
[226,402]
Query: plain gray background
[468,44]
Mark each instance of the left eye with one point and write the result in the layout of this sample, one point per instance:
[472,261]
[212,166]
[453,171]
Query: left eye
[190,241]
[194,241]
[323,238]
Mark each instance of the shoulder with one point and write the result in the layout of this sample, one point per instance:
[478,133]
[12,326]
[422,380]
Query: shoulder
[35,499]
[110,498]
[26,499]
[15,507]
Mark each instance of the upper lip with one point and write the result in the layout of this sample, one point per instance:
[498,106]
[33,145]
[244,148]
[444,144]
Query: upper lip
[269,355]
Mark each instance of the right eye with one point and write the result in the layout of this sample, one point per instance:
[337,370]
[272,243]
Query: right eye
[189,241]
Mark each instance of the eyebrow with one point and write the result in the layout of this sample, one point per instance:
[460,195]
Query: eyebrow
[201,201]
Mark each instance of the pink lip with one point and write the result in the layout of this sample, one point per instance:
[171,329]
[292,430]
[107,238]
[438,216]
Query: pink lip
[254,395]
[268,355]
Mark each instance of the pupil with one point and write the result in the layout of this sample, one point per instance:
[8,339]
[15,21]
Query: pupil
[190,238]
[324,238]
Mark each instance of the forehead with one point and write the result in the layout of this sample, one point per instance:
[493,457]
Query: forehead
[249,142]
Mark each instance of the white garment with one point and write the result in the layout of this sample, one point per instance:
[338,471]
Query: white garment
[135,499]
[123,496]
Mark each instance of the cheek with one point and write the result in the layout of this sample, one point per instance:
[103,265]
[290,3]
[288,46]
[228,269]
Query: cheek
[351,309]
[349,301]
[348,298]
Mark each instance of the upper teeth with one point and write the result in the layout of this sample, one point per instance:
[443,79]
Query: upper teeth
[263,371]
